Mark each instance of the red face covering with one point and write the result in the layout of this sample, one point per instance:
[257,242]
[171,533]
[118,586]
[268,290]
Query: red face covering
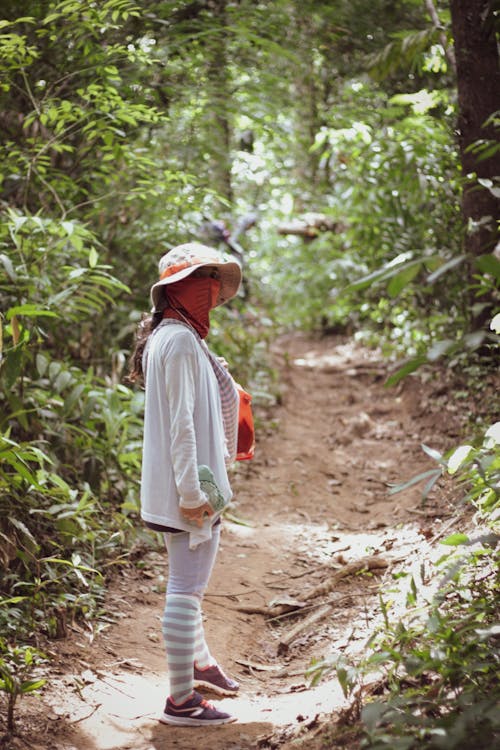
[191,300]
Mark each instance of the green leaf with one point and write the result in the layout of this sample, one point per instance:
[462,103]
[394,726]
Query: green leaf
[342,678]
[454,540]
[7,684]
[93,257]
[448,266]
[29,685]
[62,381]
[30,311]
[473,340]
[489,264]
[12,366]
[22,471]
[69,563]
[9,268]
[76,241]
[42,363]
[433,454]
[492,434]
[405,370]
[401,280]
[485,633]
[22,527]
[395,488]
[68,227]
[458,457]
[440,348]
[489,185]
[372,714]
[390,269]
[430,484]
[13,600]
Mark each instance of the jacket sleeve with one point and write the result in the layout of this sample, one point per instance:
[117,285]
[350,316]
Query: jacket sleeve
[181,369]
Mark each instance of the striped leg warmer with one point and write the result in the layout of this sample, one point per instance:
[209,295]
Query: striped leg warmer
[180,620]
[202,655]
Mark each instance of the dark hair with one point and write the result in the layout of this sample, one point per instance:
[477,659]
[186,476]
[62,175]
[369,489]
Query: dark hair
[144,330]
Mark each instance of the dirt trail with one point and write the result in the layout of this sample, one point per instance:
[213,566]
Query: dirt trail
[316,498]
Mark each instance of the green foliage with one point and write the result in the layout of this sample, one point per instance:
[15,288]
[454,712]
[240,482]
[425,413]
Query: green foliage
[440,662]
[70,438]
[17,665]
[486,149]
[437,659]
[391,168]
[475,468]
[410,50]
[51,544]
[62,80]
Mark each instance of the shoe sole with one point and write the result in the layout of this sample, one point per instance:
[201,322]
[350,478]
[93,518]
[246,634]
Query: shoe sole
[184,721]
[214,688]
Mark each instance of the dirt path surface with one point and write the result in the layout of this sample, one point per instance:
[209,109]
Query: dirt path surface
[315,499]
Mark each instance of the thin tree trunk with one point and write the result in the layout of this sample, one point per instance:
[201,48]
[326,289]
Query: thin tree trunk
[478,84]
[306,106]
[219,93]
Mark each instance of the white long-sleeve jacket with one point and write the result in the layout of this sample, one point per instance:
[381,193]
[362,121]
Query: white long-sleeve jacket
[183,429]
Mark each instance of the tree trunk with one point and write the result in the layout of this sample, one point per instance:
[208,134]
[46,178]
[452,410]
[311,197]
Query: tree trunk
[219,107]
[478,84]
[305,92]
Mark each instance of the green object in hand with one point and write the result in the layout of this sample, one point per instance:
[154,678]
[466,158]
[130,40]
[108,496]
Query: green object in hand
[209,486]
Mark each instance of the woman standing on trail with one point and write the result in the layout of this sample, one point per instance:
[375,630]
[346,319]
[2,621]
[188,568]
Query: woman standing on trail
[191,421]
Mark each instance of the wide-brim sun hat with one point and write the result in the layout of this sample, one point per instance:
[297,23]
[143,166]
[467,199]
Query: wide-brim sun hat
[182,260]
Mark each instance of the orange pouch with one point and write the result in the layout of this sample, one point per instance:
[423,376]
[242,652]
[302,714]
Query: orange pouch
[246,430]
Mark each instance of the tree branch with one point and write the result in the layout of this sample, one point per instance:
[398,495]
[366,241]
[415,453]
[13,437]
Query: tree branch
[448,49]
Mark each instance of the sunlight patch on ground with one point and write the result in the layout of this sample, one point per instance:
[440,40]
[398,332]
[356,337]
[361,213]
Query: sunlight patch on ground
[242,531]
[120,710]
[319,543]
[406,587]
[338,357]
[322,543]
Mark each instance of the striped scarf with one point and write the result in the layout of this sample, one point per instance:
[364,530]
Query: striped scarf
[229,396]
[230,402]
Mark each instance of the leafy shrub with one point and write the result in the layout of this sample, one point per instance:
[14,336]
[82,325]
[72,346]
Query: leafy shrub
[70,438]
[437,663]
[391,167]
[16,675]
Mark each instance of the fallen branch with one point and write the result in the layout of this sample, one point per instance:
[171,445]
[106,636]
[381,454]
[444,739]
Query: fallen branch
[333,602]
[294,633]
[309,571]
[87,716]
[274,611]
[311,225]
[373,562]
[233,596]
[300,231]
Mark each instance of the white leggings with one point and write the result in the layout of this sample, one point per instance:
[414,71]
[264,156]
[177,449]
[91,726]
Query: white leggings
[189,570]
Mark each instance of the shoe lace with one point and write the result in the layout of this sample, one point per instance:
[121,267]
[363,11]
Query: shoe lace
[206,704]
